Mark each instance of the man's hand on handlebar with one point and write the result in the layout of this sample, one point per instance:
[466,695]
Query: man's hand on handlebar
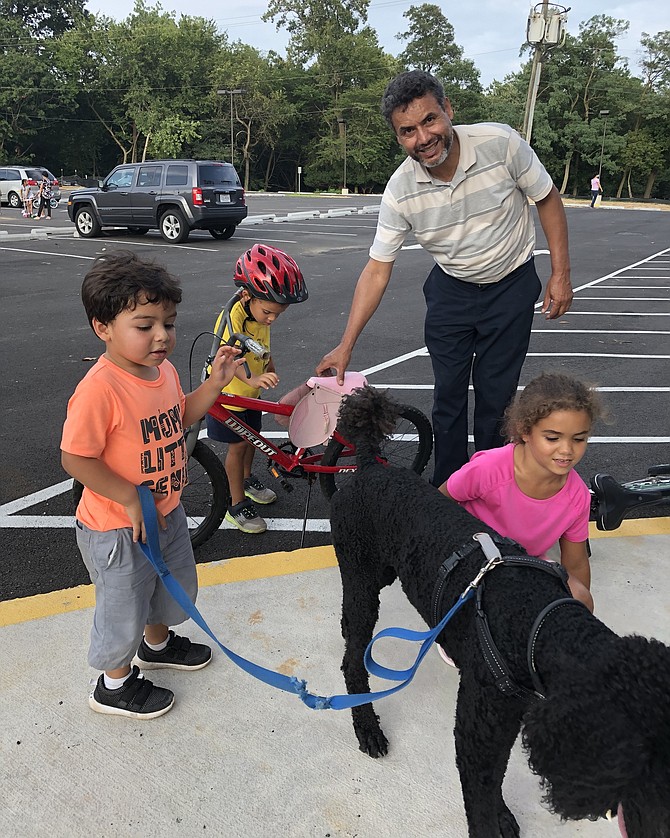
[337,360]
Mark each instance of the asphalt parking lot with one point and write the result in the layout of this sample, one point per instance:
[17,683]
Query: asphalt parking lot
[616,335]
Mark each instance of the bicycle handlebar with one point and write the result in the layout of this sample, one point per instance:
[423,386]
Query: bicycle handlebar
[245,343]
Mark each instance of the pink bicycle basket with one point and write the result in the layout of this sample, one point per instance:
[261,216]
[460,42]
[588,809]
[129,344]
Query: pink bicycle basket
[317,403]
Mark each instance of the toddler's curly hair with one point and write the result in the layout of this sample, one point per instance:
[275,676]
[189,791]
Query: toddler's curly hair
[545,394]
[119,281]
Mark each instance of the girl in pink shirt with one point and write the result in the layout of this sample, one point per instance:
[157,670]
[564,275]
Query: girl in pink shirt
[527,490]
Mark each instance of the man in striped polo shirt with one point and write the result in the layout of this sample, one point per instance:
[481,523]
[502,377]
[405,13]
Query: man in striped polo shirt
[463,193]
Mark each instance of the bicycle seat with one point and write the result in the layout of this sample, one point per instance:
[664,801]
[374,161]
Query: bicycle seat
[615,500]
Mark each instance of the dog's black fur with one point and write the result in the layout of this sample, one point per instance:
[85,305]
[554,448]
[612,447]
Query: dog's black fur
[601,737]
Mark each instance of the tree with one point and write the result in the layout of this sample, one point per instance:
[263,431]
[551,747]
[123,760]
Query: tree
[49,19]
[144,79]
[431,47]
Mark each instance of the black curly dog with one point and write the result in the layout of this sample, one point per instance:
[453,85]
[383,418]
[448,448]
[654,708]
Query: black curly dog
[600,737]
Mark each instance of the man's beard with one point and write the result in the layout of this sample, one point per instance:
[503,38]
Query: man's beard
[448,143]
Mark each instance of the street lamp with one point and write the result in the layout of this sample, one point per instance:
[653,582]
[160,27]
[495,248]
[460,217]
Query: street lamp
[602,147]
[231,93]
[343,131]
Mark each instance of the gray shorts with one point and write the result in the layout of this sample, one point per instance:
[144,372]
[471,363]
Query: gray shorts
[128,592]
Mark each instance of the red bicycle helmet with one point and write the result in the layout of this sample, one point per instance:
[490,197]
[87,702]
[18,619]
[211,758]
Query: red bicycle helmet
[270,274]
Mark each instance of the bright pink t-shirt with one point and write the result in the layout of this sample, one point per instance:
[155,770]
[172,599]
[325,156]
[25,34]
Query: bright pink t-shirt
[486,488]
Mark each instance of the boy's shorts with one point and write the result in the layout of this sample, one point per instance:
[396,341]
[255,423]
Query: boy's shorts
[128,592]
[221,433]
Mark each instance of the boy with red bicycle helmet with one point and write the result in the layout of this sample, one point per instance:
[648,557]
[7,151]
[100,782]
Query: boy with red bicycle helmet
[269,281]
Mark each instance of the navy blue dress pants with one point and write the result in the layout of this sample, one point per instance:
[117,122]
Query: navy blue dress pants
[483,330]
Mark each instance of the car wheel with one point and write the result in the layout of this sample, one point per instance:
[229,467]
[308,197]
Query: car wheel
[173,227]
[14,200]
[224,233]
[138,231]
[86,223]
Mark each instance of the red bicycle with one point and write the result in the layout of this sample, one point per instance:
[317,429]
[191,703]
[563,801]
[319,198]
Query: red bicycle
[207,495]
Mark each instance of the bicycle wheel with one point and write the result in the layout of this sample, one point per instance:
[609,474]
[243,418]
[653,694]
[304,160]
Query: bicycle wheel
[206,495]
[409,446]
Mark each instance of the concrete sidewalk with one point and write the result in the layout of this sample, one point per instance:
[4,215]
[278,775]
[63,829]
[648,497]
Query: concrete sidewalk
[238,758]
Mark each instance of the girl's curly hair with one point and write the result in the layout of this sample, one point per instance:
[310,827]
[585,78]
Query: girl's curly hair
[545,394]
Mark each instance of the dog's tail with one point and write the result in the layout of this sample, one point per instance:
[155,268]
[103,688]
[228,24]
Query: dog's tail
[366,418]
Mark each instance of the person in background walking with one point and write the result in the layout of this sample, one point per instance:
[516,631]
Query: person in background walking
[45,197]
[596,189]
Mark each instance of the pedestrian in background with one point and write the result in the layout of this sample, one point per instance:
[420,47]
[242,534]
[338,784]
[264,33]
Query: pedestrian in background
[45,195]
[596,189]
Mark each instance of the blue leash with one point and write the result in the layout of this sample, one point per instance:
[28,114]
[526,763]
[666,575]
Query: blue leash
[276,679]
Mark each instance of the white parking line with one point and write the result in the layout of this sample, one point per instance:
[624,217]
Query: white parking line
[45,253]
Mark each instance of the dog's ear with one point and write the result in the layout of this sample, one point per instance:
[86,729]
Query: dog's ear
[585,752]
[601,736]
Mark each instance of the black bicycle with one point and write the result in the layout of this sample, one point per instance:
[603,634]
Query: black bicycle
[612,501]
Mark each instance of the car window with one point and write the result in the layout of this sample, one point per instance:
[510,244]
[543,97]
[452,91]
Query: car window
[35,174]
[3,174]
[149,176]
[14,174]
[177,176]
[213,174]
[121,178]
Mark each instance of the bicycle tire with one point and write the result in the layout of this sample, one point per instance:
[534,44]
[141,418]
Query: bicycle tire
[206,496]
[411,453]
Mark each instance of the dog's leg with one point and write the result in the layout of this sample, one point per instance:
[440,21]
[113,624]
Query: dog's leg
[487,724]
[360,610]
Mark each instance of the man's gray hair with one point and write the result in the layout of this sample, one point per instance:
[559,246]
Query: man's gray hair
[406,87]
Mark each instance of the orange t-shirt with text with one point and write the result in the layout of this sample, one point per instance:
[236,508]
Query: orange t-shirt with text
[135,427]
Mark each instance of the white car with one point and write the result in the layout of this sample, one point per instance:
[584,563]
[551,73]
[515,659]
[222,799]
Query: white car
[10,183]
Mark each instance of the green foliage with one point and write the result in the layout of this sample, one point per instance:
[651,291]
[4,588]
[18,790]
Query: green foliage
[84,92]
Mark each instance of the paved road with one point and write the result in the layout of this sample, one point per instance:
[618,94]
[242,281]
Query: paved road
[616,335]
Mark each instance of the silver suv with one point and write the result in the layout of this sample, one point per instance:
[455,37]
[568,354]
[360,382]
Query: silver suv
[172,196]
[10,183]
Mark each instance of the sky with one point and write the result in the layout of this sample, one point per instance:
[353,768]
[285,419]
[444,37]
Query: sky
[490,33]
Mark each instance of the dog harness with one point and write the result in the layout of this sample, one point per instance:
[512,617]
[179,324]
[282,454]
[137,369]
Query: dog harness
[494,660]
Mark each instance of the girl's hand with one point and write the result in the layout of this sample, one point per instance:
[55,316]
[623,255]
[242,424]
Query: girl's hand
[266,380]
[225,364]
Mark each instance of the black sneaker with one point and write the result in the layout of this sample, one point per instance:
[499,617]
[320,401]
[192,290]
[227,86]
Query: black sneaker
[138,698]
[179,653]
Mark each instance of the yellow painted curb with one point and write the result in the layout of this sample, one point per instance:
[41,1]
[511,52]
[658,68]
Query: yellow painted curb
[635,527]
[216,573]
[247,568]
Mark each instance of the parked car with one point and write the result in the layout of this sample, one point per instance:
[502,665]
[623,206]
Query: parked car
[10,182]
[172,196]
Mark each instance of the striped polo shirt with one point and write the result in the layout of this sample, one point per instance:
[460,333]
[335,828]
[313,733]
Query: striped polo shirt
[478,228]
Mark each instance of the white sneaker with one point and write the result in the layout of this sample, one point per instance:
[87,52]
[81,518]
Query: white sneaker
[256,491]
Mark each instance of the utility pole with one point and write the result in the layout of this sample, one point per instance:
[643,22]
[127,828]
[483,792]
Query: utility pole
[231,93]
[343,133]
[545,30]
